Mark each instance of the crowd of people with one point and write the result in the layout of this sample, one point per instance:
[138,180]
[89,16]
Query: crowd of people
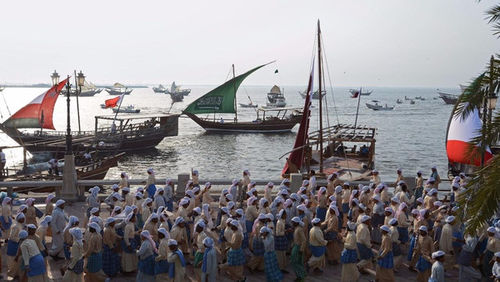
[153,236]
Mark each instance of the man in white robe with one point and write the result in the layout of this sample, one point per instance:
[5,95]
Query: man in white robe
[59,221]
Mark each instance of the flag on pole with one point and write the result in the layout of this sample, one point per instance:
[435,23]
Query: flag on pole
[111,103]
[276,71]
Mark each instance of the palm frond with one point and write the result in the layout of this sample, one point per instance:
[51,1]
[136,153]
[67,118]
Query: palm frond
[481,199]
[493,17]
[471,98]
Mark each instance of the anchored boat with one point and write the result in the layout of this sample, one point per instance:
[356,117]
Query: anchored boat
[222,100]
[118,89]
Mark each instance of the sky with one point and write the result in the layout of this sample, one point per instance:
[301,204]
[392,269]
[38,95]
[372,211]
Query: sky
[415,43]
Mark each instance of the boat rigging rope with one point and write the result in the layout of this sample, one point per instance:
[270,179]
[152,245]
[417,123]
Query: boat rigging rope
[334,105]
[6,105]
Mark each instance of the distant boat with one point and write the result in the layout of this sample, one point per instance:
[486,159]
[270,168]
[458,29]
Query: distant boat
[130,109]
[118,89]
[412,102]
[408,99]
[222,99]
[450,99]
[176,97]
[1,88]
[363,93]
[377,107]
[315,94]
[159,89]
[176,90]
[275,99]
[420,98]
[249,105]
[399,101]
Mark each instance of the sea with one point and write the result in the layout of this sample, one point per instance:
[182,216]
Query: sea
[411,137]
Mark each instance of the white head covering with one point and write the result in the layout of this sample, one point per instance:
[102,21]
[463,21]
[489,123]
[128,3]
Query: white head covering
[71,221]
[497,254]
[393,221]
[423,228]
[351,225]
[364,218]
[6,200]
[95,226]
[109,220]
[184,201]
[315,220]
[77,235]
[145,234]
[385,228]
[449,219]
[264,229]
[437,254]
[208,242]
[164,232]
[31,226]
[49,198]
[94,210]
[23,234]
[46,221]
[302,207]
[60,202]
[172,242]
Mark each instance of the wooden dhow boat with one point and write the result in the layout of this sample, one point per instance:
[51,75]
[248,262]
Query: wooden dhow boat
[222,100]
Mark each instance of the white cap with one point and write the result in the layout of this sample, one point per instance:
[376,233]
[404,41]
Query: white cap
[491,229]
[296,219]
[365,218]
[302,208]
[338,189]
[385,228]
[449,219]
[351,225]
[60,202]
[393,221]
[497,254]
[433,191]
[395,199]
[172,242]
[437,254]
[315,220]
[423,228]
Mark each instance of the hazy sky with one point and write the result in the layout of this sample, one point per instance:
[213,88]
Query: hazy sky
[368,42]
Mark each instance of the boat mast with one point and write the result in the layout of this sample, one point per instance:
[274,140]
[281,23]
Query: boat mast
[234,87]
[320,92]
[357,110]
[77,103]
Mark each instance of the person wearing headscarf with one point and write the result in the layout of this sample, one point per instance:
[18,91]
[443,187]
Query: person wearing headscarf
[396,244]
[147,209]
[159,199]
[74,271]
[179,234]
[437,270]
[129,245]
[331,224]
[209,263]
[322,203]
[6,217]
[446,242]
[177,262]
[272,269]
[466,260]
[317,245]
[32,259]
[68,239]
[93,253]
[363,240]
[419,187]
[403,223]
[264,206]
[206,198]
[257,259]
[49,204]
[95,217]
[169,194]
[423,251]
[151,226]
[146,268]
[57,225]
[13,245]
[161,264]
[281,241]
[251,213]
[496,267]
[200,235]
[110,253]
[150,183]
[492,246]
[41,231]
[30,212]
[385,258]
[235,255]
[123,180]
[93,199]
[298,249]
[349,255]
[245,184]
[435,176]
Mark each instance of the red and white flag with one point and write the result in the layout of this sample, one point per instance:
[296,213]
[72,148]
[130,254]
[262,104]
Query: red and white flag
[111,103]
[460,133]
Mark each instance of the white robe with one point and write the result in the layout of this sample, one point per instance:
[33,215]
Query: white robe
[57,224]
[211,274]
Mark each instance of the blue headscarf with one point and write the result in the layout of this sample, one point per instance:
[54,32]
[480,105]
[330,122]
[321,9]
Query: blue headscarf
[171,267]
[209,243]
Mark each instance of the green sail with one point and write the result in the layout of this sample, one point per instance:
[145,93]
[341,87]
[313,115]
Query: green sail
[220,99]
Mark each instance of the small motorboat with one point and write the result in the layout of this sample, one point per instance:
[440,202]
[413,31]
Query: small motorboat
[130,109]
[377,107]
[420,98]
[118,89]
[176,90]
[407,99]
[249,105]
[449,99]
[275,99]
[177,97]
[315,94]
[399,101]
[412,102]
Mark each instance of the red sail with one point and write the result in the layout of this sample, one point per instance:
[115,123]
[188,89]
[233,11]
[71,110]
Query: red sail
[38,113]
[296,157]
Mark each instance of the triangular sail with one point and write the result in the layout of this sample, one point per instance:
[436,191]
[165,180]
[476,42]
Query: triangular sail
[38,113]
[220,99]
[296,158]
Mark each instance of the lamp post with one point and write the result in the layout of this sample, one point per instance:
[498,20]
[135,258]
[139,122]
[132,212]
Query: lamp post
[69,192]
[55,78]
[80,81]
[69,141]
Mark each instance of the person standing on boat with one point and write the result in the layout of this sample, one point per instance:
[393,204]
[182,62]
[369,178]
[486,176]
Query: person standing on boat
[3,161]
[150,183]
[57,225]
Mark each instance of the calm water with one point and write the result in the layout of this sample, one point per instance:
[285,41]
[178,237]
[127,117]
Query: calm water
[410,136]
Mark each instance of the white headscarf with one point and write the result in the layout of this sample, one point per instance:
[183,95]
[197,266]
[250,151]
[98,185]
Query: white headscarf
[6,201]
[95,226]
[49,198]
[207,215]
[164,232]
[72,220]
[46,221]
[77,235]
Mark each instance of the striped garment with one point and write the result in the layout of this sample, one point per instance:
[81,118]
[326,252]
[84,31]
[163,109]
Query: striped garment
[321,213]
[412,246]
[272,269]
[235,257]
[349,256]
[147,265]
[280,243]
[387,261]
[331,235]
[403,234]
[161,267]
[110,261]
[297,262]
[364,252]
[423,265]
[94,262]
[258,247]
[78,268]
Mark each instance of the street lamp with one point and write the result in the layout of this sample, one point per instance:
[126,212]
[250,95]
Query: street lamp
[55,78]
[69,145]
[492,102]
[81,79]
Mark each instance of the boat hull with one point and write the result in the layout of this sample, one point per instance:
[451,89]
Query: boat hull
[115,92]
[448,98]
[268,126]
